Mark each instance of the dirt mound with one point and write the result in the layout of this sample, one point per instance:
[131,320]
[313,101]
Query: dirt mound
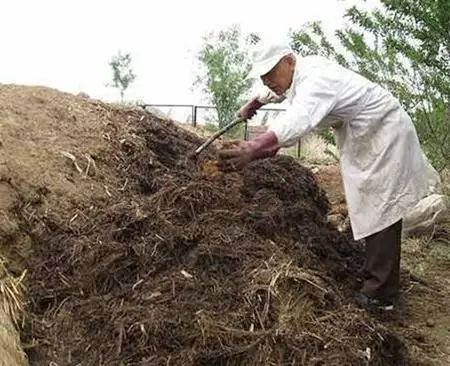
[137,255]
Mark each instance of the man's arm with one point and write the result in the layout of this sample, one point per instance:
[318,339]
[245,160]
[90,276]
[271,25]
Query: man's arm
[265,96]
[315,98]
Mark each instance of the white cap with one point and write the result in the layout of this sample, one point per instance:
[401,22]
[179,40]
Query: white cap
[266,56]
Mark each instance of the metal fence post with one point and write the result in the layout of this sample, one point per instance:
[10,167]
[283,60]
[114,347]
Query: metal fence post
[194,116]
[299,148]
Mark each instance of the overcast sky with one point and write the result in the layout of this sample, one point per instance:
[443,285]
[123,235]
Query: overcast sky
[68,44]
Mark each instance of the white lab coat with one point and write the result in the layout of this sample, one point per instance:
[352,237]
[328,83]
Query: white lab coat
[382,163]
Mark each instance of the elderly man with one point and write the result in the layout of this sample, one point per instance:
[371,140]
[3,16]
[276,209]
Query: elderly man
[382,164]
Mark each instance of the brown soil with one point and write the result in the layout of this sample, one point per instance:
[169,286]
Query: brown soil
[329,179]
[137,255]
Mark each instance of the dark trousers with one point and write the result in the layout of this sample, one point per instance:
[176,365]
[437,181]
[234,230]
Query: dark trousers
[382,266]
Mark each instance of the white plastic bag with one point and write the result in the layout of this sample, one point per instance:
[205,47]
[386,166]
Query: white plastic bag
[425,215]
[429,210]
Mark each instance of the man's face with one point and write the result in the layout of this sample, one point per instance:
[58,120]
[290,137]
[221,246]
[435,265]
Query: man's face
[279,79]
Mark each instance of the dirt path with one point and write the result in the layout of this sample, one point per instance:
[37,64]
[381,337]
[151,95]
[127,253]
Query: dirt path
[425,311]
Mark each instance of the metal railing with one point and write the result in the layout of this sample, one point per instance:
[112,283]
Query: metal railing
[195,109]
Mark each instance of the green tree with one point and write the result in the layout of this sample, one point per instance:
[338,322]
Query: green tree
[404,46]
[224,64]
[122,73]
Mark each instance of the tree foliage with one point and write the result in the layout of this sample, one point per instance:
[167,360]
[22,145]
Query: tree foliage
[122,73]
[224,64]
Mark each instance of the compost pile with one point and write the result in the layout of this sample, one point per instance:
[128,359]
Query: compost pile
[139,255]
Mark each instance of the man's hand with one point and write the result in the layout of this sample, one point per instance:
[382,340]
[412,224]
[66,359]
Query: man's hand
[236,158]
[263,146]
[249,109]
